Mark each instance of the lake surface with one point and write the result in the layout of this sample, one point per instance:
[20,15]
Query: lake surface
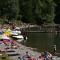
[43,40]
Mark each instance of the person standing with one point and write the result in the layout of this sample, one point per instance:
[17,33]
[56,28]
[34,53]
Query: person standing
[54,49]
[46,55]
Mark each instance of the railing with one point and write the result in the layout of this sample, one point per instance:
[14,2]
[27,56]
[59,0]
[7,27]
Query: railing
[50,29]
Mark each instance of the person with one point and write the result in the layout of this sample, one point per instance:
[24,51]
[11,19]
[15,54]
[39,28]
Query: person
[49,56]
[30,58]
[20,57]
[54,49]
[46,55]
[27,55]
[41,58]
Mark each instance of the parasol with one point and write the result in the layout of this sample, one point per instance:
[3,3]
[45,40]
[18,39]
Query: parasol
[8,32]
[4,37]
[19,37]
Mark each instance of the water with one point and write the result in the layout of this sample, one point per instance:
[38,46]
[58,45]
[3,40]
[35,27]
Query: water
[43,41]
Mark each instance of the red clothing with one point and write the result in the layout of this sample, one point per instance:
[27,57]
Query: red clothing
[41,58]
[29,58]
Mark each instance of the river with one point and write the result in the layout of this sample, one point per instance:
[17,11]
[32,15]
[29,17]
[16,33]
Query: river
[43,40]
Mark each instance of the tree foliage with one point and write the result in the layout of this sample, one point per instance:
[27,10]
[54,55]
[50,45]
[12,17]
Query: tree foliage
[38,10]
[57,12]
[30,11]
[8,8]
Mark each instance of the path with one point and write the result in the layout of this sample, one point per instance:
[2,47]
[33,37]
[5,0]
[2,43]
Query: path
[21,50]
[15,53]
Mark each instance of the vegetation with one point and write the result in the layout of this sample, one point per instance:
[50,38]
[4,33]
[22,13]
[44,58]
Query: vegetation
[36,11]
[57,12]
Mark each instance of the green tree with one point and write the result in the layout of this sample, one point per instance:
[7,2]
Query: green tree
[26,10]
[9,9]
[32,11]
[45,10]
[57,12]
[37,10]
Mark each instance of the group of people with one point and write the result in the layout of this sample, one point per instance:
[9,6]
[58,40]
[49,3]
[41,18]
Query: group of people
[44,56]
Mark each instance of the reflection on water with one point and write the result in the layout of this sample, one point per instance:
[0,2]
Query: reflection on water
[57,41]
[43,41]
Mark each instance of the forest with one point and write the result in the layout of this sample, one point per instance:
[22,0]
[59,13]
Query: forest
[30,11]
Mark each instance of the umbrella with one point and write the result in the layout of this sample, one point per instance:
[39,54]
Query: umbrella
[19,37]
[1,32]
[14,33]
[17,28]
[1,42]
[6,41]
[1,37]
[8,32]
[4,37]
